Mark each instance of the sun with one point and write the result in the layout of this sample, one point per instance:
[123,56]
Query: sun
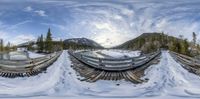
[108,35]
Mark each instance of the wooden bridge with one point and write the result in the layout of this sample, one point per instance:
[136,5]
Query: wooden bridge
[189,63]
[131,69]
[21,68]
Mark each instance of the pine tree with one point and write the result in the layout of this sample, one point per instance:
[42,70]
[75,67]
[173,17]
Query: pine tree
[61,44]
[194,38]
[48,42]
[1,45]
[41,43]
[186,46]
[7,48]
[38,44]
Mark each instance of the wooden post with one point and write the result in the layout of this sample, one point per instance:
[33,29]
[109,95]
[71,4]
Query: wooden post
[27,54]
[81,56]
[132,63]
[1,56]
[100,63]
[8,55]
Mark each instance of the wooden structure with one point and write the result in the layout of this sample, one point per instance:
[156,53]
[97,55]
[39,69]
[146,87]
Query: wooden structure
[29,67]
[189,63]
[131,69]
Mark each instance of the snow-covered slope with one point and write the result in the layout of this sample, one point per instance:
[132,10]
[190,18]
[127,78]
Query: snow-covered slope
[166,79]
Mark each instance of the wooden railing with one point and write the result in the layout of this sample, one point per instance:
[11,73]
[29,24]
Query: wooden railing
[189,63]
[115,64]
[6,55]
[187,58]
[29,64]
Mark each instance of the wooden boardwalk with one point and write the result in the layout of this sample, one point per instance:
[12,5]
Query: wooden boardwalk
[189,63]
[29,67]
[133,74]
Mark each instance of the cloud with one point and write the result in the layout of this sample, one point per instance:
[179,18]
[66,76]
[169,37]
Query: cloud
[21,39]
[40,12]
[116,21]
[108,34]
[18,24]
[9,33]
[28,9]
[13,39]
[3,35]
[61,27]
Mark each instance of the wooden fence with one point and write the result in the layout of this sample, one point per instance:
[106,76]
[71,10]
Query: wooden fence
[13,68]
[115,64]
[189,63]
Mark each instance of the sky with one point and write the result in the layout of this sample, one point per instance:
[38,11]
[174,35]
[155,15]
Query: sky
[108,22]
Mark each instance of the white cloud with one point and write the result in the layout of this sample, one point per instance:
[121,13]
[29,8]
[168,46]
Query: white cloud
[40,12]
[109,35]
[28,9]
[18,24]
[61,27]
[119,21]
[104,26]
[3,35]
[21,38]
[9,37]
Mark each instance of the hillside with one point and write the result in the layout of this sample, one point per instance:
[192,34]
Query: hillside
[80,43]
[148,42]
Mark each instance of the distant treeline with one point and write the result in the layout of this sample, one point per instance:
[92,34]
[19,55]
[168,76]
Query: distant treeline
[6,48]
[149,42]
[47,45]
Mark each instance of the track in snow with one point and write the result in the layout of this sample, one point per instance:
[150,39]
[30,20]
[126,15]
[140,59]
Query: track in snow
[167,78]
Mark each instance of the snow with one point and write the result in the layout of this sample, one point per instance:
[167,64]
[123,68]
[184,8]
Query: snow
[35,55]
[166,80]
[120,53]
[17,56]
[92,53]
[112,53]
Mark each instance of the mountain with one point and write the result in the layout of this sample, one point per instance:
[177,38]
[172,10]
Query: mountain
[25,44]
[80,43]
[149,42]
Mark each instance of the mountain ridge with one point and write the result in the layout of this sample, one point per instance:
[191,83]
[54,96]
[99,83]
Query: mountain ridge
[80,43]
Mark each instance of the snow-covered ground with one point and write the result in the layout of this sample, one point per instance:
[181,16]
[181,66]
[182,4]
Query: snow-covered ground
[17,55]
[113,53]
[166,80]
[120,53]
[35,55]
